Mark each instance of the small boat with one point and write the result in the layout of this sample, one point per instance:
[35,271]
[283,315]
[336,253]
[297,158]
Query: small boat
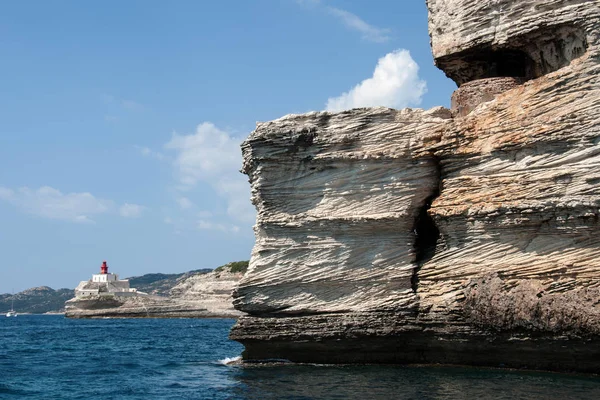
[12,312]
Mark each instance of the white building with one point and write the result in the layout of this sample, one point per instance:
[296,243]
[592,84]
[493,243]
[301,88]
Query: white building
[105,284]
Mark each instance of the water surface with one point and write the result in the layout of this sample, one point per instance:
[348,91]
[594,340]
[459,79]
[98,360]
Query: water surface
[50,357]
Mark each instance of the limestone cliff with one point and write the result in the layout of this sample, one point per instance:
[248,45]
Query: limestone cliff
[202,295]
[456,236]
[337,197]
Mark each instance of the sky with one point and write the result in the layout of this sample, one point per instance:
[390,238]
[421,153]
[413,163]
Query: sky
[120,121]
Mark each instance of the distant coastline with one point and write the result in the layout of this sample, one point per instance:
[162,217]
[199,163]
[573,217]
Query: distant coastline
[44,300]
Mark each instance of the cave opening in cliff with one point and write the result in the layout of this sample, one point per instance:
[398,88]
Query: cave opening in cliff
[488,63]
[509,64]
[525,57]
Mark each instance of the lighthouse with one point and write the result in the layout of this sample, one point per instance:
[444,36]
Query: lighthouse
[104,268]
[105,284]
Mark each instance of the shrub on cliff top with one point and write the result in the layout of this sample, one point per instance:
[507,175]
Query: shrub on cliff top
[234,267]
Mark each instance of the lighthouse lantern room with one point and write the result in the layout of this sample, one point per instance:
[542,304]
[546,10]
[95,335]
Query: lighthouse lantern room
[104,275]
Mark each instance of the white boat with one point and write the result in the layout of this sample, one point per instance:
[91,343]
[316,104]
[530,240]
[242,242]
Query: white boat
[12,312]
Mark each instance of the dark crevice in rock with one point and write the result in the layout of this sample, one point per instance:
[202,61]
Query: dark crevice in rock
[426,231]
[305,139]
[527,56]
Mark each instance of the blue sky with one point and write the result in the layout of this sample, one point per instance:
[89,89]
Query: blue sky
[120,121]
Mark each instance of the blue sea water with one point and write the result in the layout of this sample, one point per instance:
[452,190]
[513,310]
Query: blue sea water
[50,357]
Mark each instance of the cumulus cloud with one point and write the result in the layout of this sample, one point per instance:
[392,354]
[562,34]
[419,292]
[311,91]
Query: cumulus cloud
[354,22]
[131,210]
[395,83]
[206,154]
[47,202]
[212,156]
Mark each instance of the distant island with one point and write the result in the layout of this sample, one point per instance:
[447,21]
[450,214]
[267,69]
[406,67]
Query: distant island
[43,299]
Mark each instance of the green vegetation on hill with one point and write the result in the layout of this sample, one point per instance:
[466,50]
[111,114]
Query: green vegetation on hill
[235,266]
[36,300]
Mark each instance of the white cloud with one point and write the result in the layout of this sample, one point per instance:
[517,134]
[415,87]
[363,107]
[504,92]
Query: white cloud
[354,22]
[213,156]
[131,210]
[131,105]
[6,193]
[213,226]
[206,154]
[184,203]
[308,3]
[395,83]
[126,104]
[351,21]
[147,152]
[203,224]
[204,214]
[237,192]
[47,202]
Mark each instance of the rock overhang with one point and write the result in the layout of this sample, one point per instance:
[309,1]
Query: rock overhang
[507,38]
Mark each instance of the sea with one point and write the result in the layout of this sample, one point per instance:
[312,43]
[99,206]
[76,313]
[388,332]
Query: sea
[51,357]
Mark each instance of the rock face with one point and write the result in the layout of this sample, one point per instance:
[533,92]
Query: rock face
[337,197]
[466,236]
[204,295]
[160,284]
[212,291]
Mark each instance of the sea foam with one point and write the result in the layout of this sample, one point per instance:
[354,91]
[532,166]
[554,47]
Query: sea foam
[230,360]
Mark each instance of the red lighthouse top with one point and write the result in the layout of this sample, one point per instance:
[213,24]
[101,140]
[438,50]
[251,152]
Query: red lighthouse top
[104,268]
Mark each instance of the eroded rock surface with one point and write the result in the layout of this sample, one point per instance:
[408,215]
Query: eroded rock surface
[337,198]
[526,38]
[424,236]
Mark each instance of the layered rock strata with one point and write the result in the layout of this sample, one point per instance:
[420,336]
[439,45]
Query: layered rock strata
[429,236]
[199,296]
[337,197]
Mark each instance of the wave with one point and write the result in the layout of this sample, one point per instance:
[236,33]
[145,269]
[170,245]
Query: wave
[230,360]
